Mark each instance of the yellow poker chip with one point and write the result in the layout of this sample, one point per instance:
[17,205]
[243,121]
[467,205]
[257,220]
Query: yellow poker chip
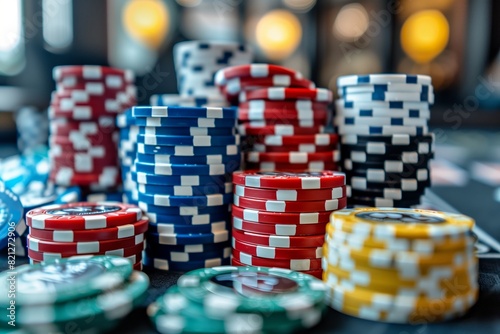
[392,223]
[354,297]
[436,285]
[421,246]
[381,258]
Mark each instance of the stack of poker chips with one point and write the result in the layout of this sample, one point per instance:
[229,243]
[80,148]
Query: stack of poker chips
[185,156]
[240,300]
[283,117]
[83,140]
[90,293]
[102,228]
[196,63]
[127,151]
[279,219]
[400,265]
[386,146]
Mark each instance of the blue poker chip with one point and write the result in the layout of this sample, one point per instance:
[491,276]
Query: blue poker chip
[200,201]
[11,213]
[186,122]
[203,219]
[128,134]
[186,170]
[206,189]
[182,210]
[185,112]
[161,228]
[125,119]
[196,141]
[178,180]
[129,197]
[188,151]
[163,264]
[187,239]
[166,252]
[187,131]
[178,100]
[195,159]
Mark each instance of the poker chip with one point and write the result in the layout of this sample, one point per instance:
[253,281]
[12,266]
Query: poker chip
[188,101]
[279,129]
[314,273]
[385,79]
[288,206]
[313,166]
[196,141]
[203,219]
[163,228]
[391,97]
[368,113]
[171,200]
[278,229]
[381,121]
[299,106]
[290,194]
[184,169]
[210,159]
[420,252]
[185,122]
[253,71]
[293,218]
[206,189]
[391,87]
[177,180]
[258,115]
[169,265]
[293,264]
[184,112]
[187,150]
[283,180]
[11,213]
[278,93]
[292,157]
[234,86]
[90,72]
[299,148]
[277,253]
[318,140]
[278,240]
[189,131]
[182,210]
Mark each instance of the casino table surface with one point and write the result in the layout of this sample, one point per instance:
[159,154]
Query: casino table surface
[483,317]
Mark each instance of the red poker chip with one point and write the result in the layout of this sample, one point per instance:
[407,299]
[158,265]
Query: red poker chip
[84,164]
[104,126]
[292,264]
[315,273]
[99,88]
[283,130]
[282,114]
[304,148]
[264,217]
[69,144]
[106,178]
[253,71]
[83,216]
[282,94]
[324,139]
[91,72]
[292,157]
[291,105]
[278,253]
[279,229]
[134,254]
[111,233]
[77,248]
[313,166]
[293,122]
[290,206]
[290,194]
[283,180]
[279,241]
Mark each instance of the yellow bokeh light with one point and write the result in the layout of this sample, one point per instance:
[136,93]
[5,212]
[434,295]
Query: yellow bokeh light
[424,35]
[147,21]
[278,34]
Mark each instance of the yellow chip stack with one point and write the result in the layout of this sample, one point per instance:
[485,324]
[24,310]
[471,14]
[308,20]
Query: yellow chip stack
[400,265]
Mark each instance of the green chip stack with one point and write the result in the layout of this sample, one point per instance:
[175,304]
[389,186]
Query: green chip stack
[80,294]
[240,300]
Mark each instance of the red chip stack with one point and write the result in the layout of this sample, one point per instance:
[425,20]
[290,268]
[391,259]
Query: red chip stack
[283,117]
[83,110]
[279,219]
[100,228]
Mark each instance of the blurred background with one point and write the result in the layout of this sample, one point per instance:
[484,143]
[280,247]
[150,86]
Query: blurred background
[457,42]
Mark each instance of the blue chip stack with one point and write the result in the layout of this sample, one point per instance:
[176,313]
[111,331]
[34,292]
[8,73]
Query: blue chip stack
[185,156]
[126,153]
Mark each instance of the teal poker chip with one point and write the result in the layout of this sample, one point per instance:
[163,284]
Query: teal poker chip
[11,213]
[65,279]
[87,313]
[252,289]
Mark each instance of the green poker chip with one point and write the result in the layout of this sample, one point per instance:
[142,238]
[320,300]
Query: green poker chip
[64,280]
[174,313]
[87,313]
[256,290]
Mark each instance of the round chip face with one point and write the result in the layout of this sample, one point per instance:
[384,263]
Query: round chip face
[399,222]
[283,180]
[67,279]
[276,290]
[83,216]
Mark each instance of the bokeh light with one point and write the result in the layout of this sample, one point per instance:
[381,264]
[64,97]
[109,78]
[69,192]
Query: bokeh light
[351,22]
[278,34]
[300,5]
[147,21]
[424,35]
